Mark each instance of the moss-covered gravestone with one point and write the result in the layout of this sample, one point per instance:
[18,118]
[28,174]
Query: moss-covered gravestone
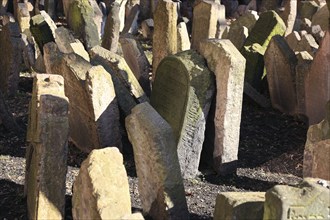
[182,94]
[268,25]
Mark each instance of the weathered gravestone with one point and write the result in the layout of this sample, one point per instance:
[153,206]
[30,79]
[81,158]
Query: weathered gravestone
[183,37]
[165,32]
[128,90]
[160,183]
[94,114]
[306,9]
[317,149]
[228,66]
[289,15]
[112,29]
[280,64]
[80,19]
[11,45]
[101,189]
[46,155]
[182,93]
[239,205]
[309,200]
[268,25]
[321,17]
[137,61]
[317,86]
[131,23]
[23,16]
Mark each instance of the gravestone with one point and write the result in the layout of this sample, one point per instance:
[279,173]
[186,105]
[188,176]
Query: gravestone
[50,7]
[317,86]
[11,45]
[268,25]
[309,200]
[94,114]
[321,17]
[306,9]
[228,66]
[98,16]
[183,37]
[182,94]
[137,61]
[131,22]
[280,64]
[112,29]
[237,35]
[317,151]
[147,28]
[159,180]
[46,154]
[23,17]
[101,189]
[165,32]
[128,89]
[289,15]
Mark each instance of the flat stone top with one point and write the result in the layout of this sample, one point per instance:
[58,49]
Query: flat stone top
[242,197]
[50,84]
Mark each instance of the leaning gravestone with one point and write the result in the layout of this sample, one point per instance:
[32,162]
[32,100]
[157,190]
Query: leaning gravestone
[101,189]
[112,29]
[46,155]
[289,15]
[160,183]
[268,25]
[309,200]
[280,64]
[317,86]
[228,66]
[182,95]
[94,114]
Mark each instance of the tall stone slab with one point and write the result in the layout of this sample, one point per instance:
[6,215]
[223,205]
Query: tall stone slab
[309,200]
[182,94]
[97,16]
[137,61]
[80,19]
[46,155]
[289,15]
[280,64]
[94,114]
[228,66]
[206,17]
[112,28]
[268,25]
[316,152]
[131,22]
[160,183]
[23,16]
[183,37]
[101,189]
[317,87]
[165,32]
[128,89]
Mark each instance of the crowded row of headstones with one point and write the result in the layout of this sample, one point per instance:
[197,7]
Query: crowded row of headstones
[192,91]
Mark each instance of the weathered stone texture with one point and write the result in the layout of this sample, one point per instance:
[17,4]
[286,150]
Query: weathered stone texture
[182,94]
[228,66]
[183,37]
[101,189]
[321,17]
[23,16]
[46,155]
[289,15]
[157,166]
[239,205]
[112,28]
[165,32]
[309,200]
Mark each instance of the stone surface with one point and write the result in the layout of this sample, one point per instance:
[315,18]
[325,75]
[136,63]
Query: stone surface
[182,94]
[321,17]
[23,17]
[268,25]
[137,61]
[309,200]
[239,205]
[228,66]
[306,9]
[160,183]
[94,118]
[165,32]
[97,16]
[237,35]
[147,28]
[128,90]
[46,154]
[317,87]
[133,216]
[280,64]
[131,23]
[183,37]
[101,189]
[289,15]
[112,28]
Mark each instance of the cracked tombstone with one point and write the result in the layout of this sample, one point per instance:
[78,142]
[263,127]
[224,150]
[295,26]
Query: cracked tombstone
[182,94]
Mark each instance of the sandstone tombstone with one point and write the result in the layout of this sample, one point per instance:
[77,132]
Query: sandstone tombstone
[268,25]
[128,89]
[317,87]
[131,22]
[165,32]
[183,37]
[280,64]
[23,17]
[237,35]
[182,93]
[289,15]
[98,16]
[228,66]
[112,29]
[101,189]
[309,200]
[160,183]
[94,114]
[46,155]
[321,17]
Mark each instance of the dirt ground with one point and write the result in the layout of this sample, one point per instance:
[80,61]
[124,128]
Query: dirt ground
[270,152]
